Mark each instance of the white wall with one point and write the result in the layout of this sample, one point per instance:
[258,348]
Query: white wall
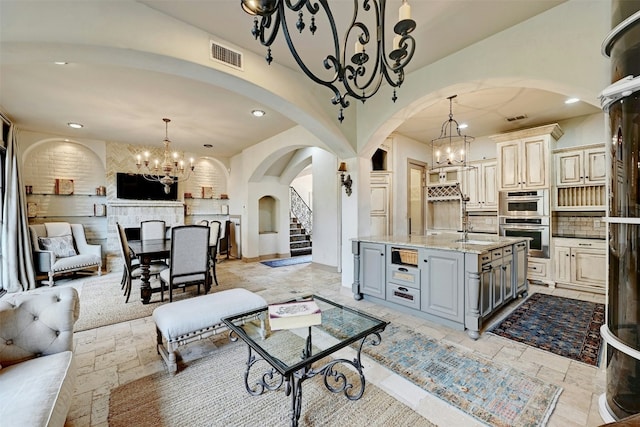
[325,208]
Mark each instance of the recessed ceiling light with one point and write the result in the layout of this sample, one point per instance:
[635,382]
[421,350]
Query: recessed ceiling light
[258,113]
[208,146]
[61,62]
[572,100]
[463,126]
[75,125]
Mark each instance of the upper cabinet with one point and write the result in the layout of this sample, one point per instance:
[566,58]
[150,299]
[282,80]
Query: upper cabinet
[523,157]
[580,178]
[479,183]
[581,167]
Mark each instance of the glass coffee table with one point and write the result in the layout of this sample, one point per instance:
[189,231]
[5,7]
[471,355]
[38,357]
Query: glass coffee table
[292,357]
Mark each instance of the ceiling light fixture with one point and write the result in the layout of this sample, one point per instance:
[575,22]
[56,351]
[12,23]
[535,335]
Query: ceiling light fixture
[60,62]
[451,147]
[75,125]
[258,113]
[171,170]
[572,100]
[354,79]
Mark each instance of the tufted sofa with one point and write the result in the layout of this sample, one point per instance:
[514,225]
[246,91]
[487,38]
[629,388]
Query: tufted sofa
[60,247]
[37,373]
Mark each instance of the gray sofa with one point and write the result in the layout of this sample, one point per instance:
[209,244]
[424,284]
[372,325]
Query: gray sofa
[38,374]
[60,247]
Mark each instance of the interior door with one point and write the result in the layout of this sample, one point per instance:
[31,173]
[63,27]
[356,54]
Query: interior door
[415,197]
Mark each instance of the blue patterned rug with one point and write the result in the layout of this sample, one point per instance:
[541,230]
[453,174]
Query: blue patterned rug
[287,261]
[564,326]
[494,394]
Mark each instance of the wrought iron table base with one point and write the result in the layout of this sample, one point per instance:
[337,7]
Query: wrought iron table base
[334,380]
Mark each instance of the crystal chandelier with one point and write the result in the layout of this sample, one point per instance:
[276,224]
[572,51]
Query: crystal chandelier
[353,79]
[171,170]
[451,147]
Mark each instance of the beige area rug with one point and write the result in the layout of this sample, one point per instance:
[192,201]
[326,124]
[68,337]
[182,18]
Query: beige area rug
[211,392]
[102,301]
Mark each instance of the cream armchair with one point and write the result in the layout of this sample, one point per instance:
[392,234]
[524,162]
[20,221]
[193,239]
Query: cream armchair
[60,247]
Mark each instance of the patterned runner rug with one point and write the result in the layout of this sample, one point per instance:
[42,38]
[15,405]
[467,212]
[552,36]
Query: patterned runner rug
[283,262]
[563,326]
[492,393]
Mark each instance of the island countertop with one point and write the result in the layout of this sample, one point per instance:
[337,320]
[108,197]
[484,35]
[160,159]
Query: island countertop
[450,241]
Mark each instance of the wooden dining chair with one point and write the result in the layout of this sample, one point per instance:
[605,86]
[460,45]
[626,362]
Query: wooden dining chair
[215,228]
[132,271]
[189,260]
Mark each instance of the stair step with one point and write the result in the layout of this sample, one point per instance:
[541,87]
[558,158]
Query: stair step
[304,244]
[298,238]
[300,251]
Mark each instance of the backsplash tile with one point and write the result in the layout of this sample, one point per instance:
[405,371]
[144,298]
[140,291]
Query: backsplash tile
[583,224]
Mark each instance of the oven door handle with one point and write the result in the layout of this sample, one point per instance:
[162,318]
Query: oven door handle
[524,227]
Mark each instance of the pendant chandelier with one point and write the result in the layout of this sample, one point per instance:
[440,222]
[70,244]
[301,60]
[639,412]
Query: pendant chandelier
[349,79]
[170,170]
[451,148]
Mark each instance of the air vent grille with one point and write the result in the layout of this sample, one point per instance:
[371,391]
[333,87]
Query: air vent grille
[514,118]
[225,55]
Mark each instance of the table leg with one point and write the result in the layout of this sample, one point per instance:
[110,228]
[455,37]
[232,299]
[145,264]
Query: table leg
[145,286]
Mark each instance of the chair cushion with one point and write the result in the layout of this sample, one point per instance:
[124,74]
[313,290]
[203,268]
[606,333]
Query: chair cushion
[37,392]
[61,246]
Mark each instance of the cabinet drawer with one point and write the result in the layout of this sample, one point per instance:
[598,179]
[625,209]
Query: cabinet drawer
[507,251]
[536,269]
[404,295]
[404,276]
[497,253]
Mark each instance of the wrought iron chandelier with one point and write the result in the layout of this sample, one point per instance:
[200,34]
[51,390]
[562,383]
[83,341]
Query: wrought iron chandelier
[172,169]
[451,148]
[353,79]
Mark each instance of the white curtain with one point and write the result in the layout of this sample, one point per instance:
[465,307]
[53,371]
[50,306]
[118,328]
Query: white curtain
[18,273]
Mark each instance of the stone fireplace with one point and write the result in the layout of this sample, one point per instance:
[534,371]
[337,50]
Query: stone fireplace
[129,213]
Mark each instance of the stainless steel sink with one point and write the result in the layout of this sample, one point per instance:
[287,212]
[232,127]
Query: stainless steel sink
[474,242]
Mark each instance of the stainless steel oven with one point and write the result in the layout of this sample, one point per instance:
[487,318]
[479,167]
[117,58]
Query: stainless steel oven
[537,228]
[528,203]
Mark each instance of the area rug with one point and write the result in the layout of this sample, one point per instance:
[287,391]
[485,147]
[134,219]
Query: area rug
[563,326]
[287,261]
[210,392]
[102,301]
[492,393]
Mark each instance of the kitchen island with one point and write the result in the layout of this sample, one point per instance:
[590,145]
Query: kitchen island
[445,277]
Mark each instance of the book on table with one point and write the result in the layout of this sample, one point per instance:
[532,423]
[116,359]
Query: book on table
[295,314]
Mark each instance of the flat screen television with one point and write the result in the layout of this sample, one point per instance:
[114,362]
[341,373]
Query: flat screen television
[134,186]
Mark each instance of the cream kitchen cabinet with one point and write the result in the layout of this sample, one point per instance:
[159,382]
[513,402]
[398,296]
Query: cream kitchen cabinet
[380,216]
[580,264]
[523,157]
[581,167]
[479,183]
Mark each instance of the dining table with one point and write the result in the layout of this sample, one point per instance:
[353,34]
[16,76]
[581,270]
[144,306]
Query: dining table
[147,251]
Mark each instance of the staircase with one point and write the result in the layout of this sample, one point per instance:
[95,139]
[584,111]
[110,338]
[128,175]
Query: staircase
[299,240]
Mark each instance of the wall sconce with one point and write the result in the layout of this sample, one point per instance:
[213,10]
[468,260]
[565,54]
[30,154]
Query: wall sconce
[346,182]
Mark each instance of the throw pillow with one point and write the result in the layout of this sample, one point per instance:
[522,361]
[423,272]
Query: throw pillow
[61,246]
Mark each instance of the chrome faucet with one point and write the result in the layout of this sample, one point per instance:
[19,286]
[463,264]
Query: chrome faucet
[465,215]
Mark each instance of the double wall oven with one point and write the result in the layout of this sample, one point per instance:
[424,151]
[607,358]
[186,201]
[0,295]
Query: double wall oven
[526,214]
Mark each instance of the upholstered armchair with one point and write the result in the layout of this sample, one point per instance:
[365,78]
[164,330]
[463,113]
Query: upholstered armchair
[37,372]
[60,247]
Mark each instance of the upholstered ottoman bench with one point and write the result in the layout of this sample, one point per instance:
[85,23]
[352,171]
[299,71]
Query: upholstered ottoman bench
[182,322]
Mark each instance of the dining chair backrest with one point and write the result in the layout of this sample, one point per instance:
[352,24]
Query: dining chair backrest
[189,251]
[124,248]
[152,229]
[214,235]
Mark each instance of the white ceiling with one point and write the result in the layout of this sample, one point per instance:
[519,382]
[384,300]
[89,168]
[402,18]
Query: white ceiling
[124,104]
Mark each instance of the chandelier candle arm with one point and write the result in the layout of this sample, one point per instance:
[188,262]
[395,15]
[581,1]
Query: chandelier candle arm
[172,169]
[354,80]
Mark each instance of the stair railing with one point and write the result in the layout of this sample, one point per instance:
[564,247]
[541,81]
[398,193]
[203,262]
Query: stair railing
[301,211]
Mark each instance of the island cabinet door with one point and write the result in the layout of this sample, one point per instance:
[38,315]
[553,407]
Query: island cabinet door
[442,282]
[372,259]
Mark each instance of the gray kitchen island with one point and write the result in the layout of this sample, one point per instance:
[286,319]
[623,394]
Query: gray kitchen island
[443,277]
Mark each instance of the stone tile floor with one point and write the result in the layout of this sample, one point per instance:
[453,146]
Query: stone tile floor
[116,354]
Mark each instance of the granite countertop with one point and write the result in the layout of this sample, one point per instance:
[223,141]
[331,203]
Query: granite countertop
[477,242]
